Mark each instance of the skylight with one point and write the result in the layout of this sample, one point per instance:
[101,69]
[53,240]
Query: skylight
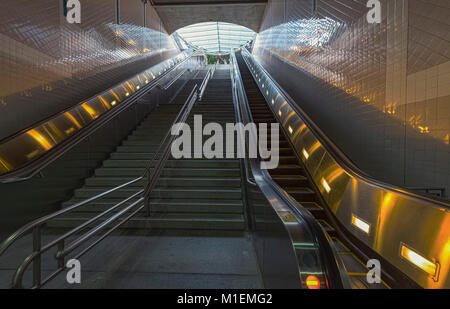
[216,37]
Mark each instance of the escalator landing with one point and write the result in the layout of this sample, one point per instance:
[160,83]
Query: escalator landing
[158,259]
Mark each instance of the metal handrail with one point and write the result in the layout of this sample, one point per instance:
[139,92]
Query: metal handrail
[341,158]
[204,84]
[36,226]
[335,270]
[30,169]
[151,183]
[171,82]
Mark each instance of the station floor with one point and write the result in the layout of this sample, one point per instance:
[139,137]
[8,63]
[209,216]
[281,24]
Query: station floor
[154,260]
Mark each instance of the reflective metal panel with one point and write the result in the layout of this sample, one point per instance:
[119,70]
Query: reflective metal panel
[32,143]
[49,65]
[393,219]
[381,92]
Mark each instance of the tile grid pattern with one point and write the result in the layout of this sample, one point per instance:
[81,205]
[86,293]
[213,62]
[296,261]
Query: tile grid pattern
[44,60]
[388,83]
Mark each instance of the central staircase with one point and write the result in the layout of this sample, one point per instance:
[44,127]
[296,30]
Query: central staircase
[191,194]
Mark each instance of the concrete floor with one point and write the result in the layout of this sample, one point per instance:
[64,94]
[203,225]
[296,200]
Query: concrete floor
[148,260]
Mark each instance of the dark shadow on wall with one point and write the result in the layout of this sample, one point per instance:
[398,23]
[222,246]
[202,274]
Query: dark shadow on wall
[379,144]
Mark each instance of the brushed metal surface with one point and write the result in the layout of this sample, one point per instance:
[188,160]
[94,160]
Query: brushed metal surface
[380,91]
[32,143]
[395,216]
[49,65]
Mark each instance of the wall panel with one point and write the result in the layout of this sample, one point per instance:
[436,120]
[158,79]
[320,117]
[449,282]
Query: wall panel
[380,91]
[49,65]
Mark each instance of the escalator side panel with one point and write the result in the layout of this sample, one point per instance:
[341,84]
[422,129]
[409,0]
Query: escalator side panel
[395,220]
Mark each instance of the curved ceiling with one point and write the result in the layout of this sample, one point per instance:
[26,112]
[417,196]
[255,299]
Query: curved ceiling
[216,37]
[177,14]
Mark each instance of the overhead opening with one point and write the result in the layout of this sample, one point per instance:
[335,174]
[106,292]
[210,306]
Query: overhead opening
[216,38]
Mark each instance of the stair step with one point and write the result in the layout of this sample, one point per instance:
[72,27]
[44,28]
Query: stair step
[209,193]
[315,209]
[169,206]
[165,221]
[302,194]
[174,163]
[287,169]
[291,180]
[229,182]
[170,172]
[328,228]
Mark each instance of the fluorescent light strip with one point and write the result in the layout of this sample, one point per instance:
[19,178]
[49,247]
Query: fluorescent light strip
[326,186]
[361,224]
[418,260]
[305,154]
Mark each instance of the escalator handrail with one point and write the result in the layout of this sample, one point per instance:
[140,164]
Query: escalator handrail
[36,165]
[204,84]
[37,224]
[172,81]
[336,275]
[341,158]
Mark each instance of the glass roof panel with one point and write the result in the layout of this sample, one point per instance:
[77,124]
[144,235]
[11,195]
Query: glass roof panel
[216,37]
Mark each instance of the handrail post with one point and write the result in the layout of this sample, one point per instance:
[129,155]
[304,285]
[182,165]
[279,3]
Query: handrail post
[147,196]
[37,263]
[59,256]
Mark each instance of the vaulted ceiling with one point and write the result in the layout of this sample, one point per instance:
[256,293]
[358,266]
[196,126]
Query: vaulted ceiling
[177,14]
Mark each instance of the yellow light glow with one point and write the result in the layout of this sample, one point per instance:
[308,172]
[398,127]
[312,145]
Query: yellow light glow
[280,113]
[72,118]
[273,101]
[290,130]
[6,166]
[89,110]
[315,147]
[146,81]
[113,103]
[138,87]
[363,226]
[326,186]
[115,95]
[127,94]
[302,127]
[305,154]
[263,85]
[130,86]
[267,92]
[40,139]
[104,102]
[418,260]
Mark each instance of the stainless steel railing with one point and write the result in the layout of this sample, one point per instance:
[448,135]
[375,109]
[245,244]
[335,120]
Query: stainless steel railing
[122,213]
[209,75]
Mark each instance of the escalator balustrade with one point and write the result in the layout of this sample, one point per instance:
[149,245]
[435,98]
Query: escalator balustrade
[292,177]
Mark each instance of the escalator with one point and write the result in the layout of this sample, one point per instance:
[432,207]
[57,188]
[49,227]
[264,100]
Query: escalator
[225,223]
[292,177]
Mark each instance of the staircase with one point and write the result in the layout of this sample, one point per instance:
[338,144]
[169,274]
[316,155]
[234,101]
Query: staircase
[191,194]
